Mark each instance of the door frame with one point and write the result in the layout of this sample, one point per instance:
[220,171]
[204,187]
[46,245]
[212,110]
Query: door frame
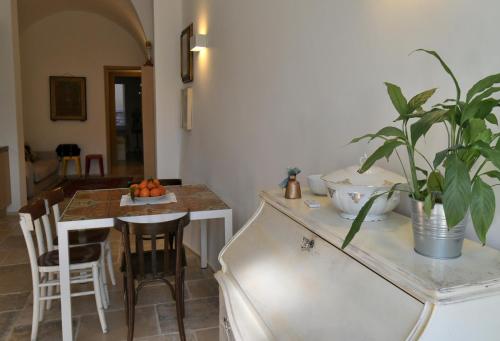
[110,72]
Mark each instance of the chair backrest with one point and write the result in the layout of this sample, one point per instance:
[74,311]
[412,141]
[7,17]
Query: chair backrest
[52,200]
[154,232]
[35,222]
[165,182]
[170,182]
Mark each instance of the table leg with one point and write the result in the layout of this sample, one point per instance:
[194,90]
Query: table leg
[204,243]
[64,278]
[228,226]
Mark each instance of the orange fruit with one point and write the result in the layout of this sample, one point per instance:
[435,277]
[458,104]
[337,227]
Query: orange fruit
[143,184]
[155,192]
[156,182]
[163,190]
[134,185]
[144,192]
[137,192]
[151,185]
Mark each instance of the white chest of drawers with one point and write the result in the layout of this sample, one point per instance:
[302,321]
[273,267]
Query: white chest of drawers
[284,277]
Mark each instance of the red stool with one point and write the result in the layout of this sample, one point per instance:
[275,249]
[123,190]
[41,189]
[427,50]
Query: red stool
[91,157]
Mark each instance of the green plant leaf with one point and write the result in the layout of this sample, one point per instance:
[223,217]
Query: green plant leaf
[357,139]
[384,150]
[489,153]
[482,85]
[492,119]
[390,131]
[418,100]
[440,156]
[397,99]
[476,130]
[428,204]
[363,212]
[493,174]
[485,94]
[435,182]
[457,190]
[482,208]
[479,109]
[469,156]
[445,67]
[422,126]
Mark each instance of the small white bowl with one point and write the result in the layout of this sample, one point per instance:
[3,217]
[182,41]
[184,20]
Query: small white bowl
[317,185]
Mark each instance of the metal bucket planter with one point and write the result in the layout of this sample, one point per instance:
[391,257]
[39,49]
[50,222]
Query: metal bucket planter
[431,235]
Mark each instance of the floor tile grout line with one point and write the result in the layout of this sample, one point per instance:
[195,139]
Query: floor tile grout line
[11,330]
[157,315]
[11,311]
[200,279]
[205,328]
[77,331]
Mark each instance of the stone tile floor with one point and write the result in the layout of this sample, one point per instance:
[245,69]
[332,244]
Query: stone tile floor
[155,312]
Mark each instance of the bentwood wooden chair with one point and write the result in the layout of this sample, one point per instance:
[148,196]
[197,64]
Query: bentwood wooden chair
[44,261]
[53,200]
[155,265]
[168,182]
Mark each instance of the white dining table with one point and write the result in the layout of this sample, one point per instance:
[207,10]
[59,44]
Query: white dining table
[92,209]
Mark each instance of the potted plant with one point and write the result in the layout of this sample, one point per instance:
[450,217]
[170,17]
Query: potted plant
[452,185]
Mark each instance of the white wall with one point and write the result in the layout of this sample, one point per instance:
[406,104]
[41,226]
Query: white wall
[288,83]
[11,120]
[71,43]
[167,23]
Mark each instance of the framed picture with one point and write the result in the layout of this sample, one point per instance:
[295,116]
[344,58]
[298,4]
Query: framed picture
[186,55]
[68,98]
[187,109]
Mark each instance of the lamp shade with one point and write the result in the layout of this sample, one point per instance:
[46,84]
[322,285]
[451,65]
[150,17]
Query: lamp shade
[198,42]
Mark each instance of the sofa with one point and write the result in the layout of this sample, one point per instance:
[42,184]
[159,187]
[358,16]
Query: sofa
[42,171]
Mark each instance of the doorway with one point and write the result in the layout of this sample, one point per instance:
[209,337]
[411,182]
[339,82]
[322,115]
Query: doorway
[125,129]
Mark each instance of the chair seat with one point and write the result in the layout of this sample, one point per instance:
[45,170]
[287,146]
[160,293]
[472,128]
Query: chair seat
[77,255]
[86,237]
[148,265]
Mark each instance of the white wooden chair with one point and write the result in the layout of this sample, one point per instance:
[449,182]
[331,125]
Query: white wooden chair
[94,236]
[84,264]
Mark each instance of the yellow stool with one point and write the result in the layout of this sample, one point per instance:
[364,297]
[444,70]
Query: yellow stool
[77,164]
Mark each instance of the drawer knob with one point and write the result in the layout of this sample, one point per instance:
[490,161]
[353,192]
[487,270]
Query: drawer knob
[307,244]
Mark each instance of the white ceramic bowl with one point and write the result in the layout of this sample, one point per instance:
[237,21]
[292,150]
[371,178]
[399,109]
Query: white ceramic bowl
[317,185]
[349,191]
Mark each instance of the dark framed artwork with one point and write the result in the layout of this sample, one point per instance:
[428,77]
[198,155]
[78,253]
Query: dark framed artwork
[68,98]
[186,55]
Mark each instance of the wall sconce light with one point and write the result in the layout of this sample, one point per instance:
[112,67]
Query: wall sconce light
[198,42]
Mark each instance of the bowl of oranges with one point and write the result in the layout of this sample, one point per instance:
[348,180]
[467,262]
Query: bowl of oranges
[148,190]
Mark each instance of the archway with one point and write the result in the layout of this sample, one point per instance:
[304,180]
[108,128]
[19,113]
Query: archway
[104,33]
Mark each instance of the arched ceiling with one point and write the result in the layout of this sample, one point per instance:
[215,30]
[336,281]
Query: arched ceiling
[122,12]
